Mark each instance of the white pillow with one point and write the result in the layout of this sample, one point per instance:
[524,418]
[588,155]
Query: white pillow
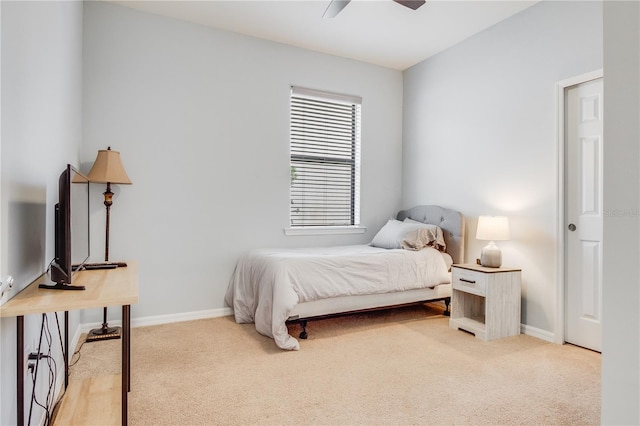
[393,233]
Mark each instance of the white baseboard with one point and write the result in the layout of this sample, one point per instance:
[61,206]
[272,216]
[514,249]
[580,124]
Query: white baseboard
[222,312]
[163,319]
[186,316]
[537,333]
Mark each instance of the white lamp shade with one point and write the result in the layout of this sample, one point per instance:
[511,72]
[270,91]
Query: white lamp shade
[493,228]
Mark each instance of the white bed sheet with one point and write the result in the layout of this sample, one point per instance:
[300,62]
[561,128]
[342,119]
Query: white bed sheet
[267,284]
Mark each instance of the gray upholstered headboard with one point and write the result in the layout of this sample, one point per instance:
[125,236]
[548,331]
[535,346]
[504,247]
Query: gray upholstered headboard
[451,222]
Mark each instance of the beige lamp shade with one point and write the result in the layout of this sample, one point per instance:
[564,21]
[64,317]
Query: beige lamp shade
[493,228]
[108,168]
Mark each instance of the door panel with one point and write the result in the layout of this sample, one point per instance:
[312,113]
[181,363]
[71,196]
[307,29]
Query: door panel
[584,209]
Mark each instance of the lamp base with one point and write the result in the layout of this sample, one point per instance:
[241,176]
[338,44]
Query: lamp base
[491,256]
[104,333]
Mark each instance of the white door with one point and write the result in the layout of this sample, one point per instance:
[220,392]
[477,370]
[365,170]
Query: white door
[584,214]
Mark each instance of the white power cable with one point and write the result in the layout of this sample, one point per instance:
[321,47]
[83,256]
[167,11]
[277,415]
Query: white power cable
[6,284]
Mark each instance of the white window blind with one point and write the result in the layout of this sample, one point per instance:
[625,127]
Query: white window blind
[325,158]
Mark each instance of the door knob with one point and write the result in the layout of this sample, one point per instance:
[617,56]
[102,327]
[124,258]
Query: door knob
[572,227]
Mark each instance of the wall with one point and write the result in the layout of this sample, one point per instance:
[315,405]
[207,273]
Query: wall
[41,133]
[480,135]
[621,270]
[41,73]
[200,117]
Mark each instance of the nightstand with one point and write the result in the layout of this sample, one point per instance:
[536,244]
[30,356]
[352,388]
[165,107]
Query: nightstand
[485,301]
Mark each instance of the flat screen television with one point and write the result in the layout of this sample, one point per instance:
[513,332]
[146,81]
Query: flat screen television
[72,238]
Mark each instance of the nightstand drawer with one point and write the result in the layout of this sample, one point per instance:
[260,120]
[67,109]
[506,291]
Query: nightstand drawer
[469,281]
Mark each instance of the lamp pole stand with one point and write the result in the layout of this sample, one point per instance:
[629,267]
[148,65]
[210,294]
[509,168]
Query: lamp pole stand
[105,332]
[108,201]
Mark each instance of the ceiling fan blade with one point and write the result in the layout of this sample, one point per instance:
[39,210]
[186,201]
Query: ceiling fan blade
[334,8]
[411,4]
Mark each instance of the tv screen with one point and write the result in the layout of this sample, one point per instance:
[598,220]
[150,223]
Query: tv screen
[72,239]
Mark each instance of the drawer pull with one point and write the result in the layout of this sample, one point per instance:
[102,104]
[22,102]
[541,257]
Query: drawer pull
[467,281]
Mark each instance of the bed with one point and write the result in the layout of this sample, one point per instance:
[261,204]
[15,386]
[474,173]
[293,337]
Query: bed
[271,287]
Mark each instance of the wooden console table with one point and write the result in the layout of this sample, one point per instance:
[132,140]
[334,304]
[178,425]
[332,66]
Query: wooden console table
[104,287]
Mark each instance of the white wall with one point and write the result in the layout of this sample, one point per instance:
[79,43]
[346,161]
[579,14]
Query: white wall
[621,269]
[200,117]
[480,134]
[41,133]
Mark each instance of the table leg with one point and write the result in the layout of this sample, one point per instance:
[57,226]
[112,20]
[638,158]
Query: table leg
[129,348]
[126,330]
[65,350]
[20,369]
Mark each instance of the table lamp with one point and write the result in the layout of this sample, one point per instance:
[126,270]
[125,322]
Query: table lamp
[107,169]
[492,228]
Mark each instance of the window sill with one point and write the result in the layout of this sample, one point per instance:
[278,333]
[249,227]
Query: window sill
[325,230]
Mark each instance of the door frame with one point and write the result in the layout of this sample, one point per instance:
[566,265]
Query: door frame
[561,288]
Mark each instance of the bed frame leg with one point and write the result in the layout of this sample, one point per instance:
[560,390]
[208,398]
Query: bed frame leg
[303,333]
[447,312]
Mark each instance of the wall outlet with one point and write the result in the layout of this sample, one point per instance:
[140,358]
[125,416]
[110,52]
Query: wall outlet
[30,347]
[6,285]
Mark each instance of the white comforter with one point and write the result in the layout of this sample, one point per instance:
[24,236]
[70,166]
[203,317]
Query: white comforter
[267,284]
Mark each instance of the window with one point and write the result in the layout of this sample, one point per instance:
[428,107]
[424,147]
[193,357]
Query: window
[325,159]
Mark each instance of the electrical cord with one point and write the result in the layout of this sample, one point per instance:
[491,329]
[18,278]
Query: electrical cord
[34,376]
[71,364]
[53,372]
[49,265]
[77,352]
[48,404]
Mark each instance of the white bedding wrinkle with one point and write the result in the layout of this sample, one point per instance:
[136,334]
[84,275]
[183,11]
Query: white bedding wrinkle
[267,284]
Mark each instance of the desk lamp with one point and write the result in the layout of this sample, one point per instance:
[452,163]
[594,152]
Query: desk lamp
[492,228]
[107,169]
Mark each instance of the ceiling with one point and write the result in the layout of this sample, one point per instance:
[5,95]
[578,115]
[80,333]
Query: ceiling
[380,32]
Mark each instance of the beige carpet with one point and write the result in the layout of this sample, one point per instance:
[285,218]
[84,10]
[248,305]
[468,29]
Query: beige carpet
[396,367]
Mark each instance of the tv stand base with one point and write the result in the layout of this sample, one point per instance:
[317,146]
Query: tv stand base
[60,286]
